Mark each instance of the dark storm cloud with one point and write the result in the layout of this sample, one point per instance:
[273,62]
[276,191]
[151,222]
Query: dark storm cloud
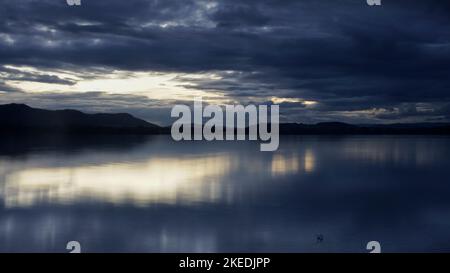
[388,61]
[6,88]
[11,74]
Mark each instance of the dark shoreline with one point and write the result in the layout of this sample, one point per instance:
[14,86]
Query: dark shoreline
[20,119]
[284,130]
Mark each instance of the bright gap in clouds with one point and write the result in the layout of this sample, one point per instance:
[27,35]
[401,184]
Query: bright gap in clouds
[278,100]
[154,85]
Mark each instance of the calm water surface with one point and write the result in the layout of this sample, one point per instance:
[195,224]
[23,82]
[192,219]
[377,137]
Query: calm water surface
[151,194]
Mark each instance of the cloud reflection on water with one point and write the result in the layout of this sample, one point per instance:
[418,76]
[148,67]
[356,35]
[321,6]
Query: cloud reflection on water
[156,179]
[160,196]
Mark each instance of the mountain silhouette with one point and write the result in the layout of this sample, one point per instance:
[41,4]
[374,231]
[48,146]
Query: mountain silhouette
[21,117]
[339,128]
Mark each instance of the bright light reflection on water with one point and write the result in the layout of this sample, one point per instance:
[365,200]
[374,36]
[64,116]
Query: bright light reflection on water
[139,194]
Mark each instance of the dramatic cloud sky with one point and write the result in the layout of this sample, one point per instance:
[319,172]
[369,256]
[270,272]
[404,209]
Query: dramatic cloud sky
[321,60]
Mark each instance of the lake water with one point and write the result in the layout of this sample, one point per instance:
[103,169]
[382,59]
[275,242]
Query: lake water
[151,194]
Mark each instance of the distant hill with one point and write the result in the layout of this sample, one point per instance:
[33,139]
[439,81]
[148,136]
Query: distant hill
[20,117]
[344,128]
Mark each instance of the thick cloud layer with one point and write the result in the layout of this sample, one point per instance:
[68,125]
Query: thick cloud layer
[358,63]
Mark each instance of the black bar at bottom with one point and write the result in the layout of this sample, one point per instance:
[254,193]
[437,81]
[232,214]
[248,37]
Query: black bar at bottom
[219,262]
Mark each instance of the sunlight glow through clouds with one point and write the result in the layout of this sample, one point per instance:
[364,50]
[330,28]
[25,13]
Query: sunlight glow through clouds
[278,100]
[154,85]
